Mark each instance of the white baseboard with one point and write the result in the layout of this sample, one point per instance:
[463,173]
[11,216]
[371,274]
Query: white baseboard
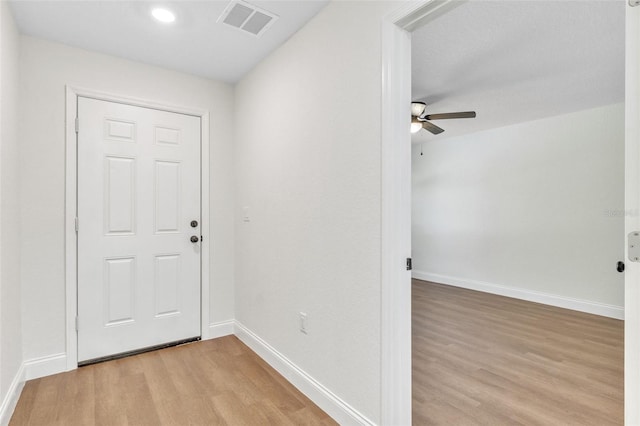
[31,369]
[220,329]
[45,366]
[589,307]
[338,409]
[11,398]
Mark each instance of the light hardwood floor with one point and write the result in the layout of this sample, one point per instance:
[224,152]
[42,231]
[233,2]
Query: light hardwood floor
[214,382]
[477,359]
[491,360]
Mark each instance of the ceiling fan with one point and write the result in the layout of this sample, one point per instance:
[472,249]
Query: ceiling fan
[420,120]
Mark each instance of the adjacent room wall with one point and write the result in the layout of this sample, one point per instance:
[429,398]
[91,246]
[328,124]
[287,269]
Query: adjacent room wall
[45,69]
[10,317]
[536,207]
[308,147]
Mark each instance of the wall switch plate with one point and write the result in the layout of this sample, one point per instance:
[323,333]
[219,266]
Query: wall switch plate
[302,318]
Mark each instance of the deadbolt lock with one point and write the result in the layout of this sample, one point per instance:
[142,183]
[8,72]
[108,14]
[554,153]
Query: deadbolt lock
[194,223]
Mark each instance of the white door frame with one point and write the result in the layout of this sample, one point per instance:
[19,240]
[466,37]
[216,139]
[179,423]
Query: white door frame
[395,336]
[396,208]
[632,218]
[71,191]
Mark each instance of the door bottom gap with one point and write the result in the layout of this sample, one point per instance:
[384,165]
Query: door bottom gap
[137,351]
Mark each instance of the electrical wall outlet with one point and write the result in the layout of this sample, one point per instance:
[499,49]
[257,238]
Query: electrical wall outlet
[302,319]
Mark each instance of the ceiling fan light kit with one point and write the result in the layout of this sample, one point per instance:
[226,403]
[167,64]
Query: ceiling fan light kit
[417,108]
[420,120]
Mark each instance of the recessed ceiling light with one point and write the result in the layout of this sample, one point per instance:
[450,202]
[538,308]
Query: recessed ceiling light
[163,15]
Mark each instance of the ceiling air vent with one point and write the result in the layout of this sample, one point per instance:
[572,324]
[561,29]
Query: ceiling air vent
[247,17]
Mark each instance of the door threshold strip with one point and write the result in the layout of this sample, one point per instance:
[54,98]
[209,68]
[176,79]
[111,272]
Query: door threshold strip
[137,351]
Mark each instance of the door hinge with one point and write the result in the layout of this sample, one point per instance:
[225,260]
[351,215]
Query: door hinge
[77,124]
[77,226]
[409,266]
[633,245]
[76,323]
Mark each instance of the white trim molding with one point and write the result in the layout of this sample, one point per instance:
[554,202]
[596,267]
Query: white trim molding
[419,13]
[205,221]
[71,183]
[580,305]
[333,405]
[11,398]
[220,329]
[45,366]
[632,221]
[395,335]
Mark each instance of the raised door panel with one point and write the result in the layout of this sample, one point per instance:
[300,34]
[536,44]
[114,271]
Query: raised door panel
[119,290]
[167,196]
[167,136]
[119,130]
[167,285]
[120,193]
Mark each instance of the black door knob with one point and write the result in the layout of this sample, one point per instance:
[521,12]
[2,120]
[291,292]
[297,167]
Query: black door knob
[194,239]
[620,267]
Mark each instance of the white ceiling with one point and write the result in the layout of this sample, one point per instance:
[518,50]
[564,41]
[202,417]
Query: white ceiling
[517,61]
[195,43]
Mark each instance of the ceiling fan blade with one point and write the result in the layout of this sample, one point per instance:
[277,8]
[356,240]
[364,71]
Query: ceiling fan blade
[432,128]
[447,115]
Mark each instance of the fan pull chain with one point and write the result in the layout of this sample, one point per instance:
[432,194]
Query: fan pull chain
[421,145]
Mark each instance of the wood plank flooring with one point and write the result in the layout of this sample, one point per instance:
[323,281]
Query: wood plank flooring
[481,359]
[478,359]
[213,382]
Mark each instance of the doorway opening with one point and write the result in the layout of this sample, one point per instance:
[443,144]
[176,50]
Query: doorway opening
[502,201]
[396,204]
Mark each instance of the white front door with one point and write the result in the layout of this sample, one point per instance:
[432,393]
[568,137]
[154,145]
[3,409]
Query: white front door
[138,209]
